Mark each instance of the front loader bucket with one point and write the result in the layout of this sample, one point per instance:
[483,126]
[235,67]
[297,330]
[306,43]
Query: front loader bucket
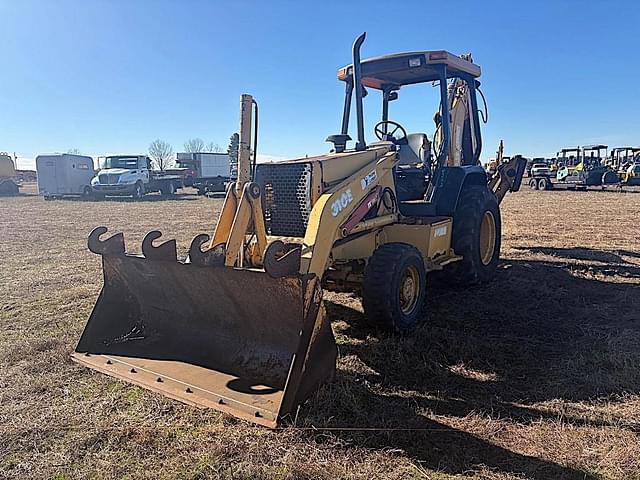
[235,340]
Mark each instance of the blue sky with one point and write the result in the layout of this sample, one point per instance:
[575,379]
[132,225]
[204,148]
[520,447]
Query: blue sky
[111,76]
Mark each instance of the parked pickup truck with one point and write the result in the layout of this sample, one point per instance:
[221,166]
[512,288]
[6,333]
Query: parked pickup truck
[122,175]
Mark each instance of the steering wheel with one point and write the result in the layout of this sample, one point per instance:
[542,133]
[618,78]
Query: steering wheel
[382,132]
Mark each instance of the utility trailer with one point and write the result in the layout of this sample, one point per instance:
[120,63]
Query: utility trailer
[132,175]
[63,175]
[211,170]
[576,169]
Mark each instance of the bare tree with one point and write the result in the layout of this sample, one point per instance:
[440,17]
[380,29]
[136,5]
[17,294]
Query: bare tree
[194,145]
[213,147]
[73,151]
[161,153]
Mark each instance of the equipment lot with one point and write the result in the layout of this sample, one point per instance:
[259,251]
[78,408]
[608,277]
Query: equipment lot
[534,375]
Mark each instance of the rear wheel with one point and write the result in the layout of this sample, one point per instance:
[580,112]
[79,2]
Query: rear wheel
[394,287]
[138,191]
[543,184]
[533,184]
[168,190]
[477,230]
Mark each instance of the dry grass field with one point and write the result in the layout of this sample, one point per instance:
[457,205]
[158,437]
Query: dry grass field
[536,375]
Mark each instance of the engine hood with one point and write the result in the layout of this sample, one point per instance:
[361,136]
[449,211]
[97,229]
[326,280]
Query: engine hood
[336,167]
[114,171]
[380,148]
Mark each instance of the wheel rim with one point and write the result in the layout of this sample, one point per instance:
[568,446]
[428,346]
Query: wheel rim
[487,237]
[409,290]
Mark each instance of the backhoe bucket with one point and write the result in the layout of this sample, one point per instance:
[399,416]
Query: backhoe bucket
[235,340]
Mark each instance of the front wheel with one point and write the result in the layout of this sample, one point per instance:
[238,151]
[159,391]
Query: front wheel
[533,184]
[394,287]
[477,230]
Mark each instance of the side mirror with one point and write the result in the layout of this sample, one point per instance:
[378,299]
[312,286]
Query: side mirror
[393,96]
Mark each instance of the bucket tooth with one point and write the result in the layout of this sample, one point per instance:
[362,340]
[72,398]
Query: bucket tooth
[214,257]
[114,245]
[166,251]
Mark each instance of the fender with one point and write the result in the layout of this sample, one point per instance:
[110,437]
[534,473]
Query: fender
[449,184]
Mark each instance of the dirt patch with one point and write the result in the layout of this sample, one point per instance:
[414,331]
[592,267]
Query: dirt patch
[532,376]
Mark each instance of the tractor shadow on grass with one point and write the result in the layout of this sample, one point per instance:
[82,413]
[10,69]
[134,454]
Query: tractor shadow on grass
[539,332]
[586,253]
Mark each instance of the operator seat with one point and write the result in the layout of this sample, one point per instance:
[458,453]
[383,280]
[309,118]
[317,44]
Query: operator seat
[410,173]
[416,151]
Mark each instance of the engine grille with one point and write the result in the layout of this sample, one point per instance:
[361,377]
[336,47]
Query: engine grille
[286,197]
[108,179]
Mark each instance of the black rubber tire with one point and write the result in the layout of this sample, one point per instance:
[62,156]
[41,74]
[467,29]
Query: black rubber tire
[138,193]
[382,283]
[168,190]
[533,184]
[610,178]
[87,192]
[473,203]
[543,184]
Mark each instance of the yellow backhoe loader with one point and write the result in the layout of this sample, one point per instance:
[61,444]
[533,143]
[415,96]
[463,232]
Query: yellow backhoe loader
[239,325]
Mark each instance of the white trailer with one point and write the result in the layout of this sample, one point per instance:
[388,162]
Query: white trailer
[212,170]
[64,174]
